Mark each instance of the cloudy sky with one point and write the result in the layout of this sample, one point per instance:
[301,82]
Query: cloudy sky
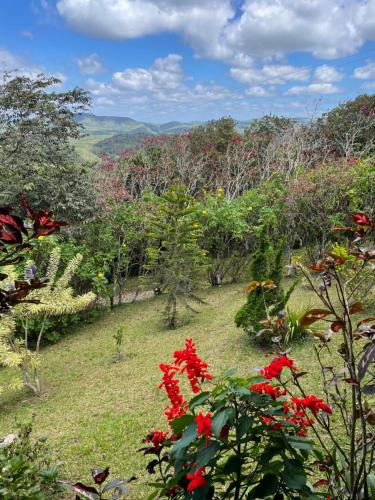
[161,60]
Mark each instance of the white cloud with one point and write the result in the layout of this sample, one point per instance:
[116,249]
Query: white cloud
[257,91]
[195,20]
[165,73]
[365,72]
[161,89]
[314,88]
[27,34]
[90,65]
[11,62]
[368,85]
[327,74]
[273,74]
[262,28]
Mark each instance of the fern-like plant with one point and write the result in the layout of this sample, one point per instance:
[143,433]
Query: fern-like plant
[55,299]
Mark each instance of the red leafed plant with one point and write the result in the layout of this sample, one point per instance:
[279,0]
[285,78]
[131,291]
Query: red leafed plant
[16,235]
[116,488]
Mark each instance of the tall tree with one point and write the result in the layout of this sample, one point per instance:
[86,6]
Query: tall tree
[37,125]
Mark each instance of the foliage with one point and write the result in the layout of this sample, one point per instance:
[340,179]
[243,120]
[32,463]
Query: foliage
[36,127]
[349,128]
[175,258]
[241,438]
[118,338]
[225,236]
[54,298]
[348,383]
[265,296]
[27,468]
[116,488]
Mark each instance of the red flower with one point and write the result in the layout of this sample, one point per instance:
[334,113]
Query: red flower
[312,403]
[172,387]
[361,219]
[266,388]
[156,438]
[196,480]
[204,424]
[274,369]
[187,360]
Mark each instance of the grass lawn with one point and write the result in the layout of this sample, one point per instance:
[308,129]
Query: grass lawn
[96,412]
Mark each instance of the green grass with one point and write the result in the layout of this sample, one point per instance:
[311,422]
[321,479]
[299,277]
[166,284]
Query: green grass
[96,412]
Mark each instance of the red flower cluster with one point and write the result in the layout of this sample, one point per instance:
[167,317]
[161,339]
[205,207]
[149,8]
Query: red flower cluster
[196,480]
[204,424]
[274,369]
[156,438]
[312,403]
[187,360]
[172,387]
[267,388]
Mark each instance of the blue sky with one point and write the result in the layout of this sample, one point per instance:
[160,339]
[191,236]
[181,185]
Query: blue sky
[162,60]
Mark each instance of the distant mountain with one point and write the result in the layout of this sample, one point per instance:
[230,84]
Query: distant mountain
[112,134]
[94,124]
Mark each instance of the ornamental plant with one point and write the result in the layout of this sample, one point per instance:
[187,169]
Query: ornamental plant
[265,295]
[175,259]
[347,366]
[116,488]
[54,298]
[237,437]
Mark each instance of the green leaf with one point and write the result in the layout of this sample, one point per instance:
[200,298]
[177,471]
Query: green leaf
[198,400]
[204,456]
[220,420]
[244,425]
[233,464]
[293,475]
[268,486]
[179,424]
[300,443]
[188,437]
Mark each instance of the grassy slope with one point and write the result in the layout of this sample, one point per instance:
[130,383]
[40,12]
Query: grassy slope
[96,412]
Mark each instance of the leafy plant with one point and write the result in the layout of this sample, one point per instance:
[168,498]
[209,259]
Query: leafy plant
[54,298]
[27,468]
[118,338]
[239,438]
[265,296]
[116,488]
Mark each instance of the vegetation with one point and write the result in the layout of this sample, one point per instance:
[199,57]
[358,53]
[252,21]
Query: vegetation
[189,215]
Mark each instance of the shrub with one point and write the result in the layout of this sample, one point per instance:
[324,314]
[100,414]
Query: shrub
[27,468]
[240,438]
[265,296]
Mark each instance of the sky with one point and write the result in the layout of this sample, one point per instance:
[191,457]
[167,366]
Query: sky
[195,60]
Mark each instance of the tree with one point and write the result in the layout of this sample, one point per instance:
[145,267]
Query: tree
[176,258]
[349,129]
[37,126]
[54,299]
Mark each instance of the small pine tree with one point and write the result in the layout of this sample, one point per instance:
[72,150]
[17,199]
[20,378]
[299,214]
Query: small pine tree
[263,301]
[176,260]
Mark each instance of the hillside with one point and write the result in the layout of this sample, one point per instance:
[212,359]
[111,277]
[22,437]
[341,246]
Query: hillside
[112,134]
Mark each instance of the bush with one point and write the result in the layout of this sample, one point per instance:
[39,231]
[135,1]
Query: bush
[27,468]
[240,438]
[265,296]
